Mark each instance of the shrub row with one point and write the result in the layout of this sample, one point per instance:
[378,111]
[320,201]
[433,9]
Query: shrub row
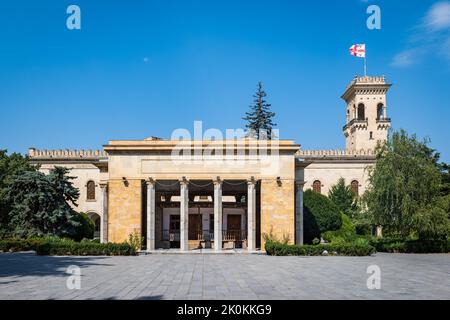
[16,245]
[59,247]
[347,249]
[411,246]
[72,248]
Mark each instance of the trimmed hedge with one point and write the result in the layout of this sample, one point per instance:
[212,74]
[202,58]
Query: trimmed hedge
[59,247]
[347,249]
[72,248]
[411,246]
[16,245]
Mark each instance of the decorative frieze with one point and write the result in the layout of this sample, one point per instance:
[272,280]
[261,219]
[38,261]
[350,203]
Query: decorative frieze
[66,154]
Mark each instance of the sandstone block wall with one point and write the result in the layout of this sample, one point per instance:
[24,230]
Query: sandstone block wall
[124,209]
[278,209]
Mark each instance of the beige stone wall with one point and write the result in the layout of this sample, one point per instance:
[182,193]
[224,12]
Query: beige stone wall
[329,173]
[278,209]
[125,209]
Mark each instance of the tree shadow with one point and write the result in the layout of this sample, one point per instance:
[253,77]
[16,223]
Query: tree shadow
[311,227]
[29,264]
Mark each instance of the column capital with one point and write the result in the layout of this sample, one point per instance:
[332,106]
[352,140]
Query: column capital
[251,181]
[184,181]
[217,181]
[103,184]
[150,181]
[300,184]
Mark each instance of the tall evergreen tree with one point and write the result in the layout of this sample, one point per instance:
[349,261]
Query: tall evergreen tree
[41,204]
[10,166]
[260,118]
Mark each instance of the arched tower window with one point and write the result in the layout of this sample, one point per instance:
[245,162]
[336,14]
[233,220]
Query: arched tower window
[380,111]
[361,112]
[317,186]
[90,190]
[355,187]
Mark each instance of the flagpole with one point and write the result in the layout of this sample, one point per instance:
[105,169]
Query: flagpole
[365,67]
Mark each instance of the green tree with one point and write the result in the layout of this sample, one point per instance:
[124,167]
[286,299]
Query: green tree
[41,204]
[260,118]
[320,215]
[404,180]
[10,166]
[445,174]
[85,229]
[344,198]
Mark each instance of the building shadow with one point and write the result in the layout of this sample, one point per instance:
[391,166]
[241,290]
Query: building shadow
[29,264]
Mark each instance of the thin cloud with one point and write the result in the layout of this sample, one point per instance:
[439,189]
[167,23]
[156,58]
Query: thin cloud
[431,36]
[438,17]
[405,58]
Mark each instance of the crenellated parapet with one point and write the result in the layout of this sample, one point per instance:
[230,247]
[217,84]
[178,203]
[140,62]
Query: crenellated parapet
[36,154]
[339,153]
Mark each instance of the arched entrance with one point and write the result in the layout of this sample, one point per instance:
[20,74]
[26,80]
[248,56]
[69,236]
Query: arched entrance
[95,218]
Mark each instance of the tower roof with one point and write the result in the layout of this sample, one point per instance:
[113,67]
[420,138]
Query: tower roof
[366,85]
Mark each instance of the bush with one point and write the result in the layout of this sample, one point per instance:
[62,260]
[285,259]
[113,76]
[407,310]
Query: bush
[320,215]
[17,245]
[345,249]
[70,247]
[347,232]
[85,229]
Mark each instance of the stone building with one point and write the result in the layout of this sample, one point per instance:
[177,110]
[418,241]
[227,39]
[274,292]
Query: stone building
[221,194]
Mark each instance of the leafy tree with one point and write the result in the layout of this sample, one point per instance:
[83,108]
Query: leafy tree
[445,174]
[320,215]
[41,204]
[260,118]
[433,221]
[10,166]
[404,181]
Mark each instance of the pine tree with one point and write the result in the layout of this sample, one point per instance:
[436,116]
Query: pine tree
[259,118]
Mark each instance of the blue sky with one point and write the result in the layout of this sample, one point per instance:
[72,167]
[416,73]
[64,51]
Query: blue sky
[143,68]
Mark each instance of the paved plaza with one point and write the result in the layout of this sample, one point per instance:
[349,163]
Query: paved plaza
[239,276]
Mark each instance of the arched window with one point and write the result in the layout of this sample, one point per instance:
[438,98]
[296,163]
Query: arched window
[90,190]
[380,111]
[361,112]
[317,186]
[355,187]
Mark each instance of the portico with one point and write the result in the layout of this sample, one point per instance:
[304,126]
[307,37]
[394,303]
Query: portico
[212,194]
[195,214]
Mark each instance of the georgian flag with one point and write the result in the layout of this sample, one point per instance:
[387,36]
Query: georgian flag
[358,50]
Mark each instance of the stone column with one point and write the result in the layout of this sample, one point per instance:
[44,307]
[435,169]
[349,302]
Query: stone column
[104,220]
[299,219]
[218,215]
[251,215]
[151,214]
[184,215]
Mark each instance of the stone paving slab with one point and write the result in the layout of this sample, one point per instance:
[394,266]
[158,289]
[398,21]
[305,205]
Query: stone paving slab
[233,277]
